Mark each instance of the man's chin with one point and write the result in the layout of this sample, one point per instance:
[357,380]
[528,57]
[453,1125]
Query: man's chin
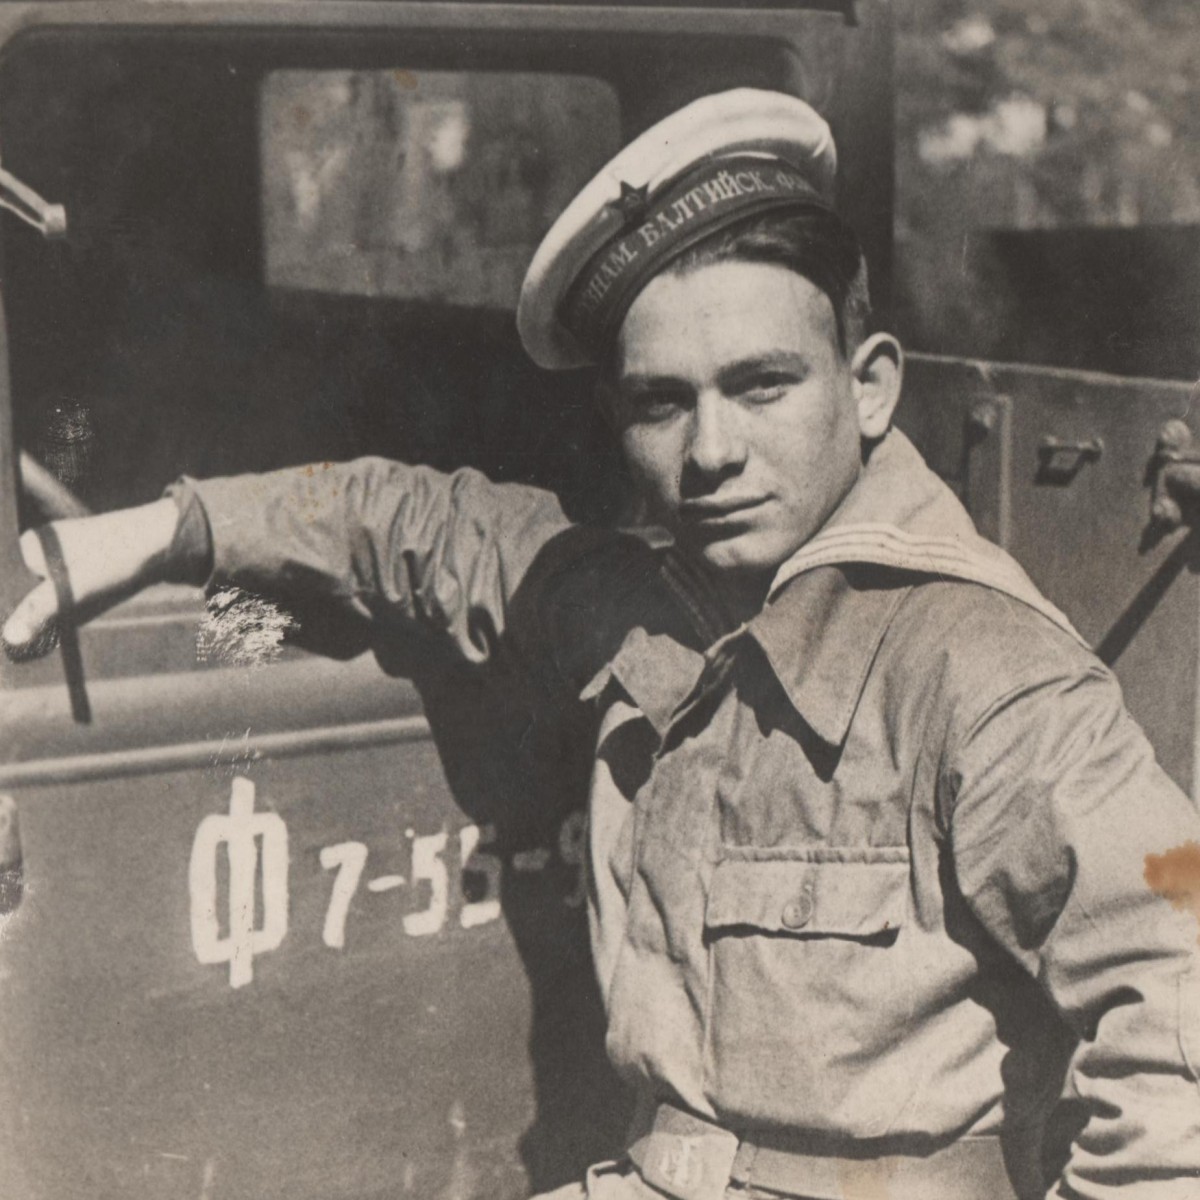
[739,558]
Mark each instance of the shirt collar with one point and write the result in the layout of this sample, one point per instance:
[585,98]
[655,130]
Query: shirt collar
[821,635]
[655,670]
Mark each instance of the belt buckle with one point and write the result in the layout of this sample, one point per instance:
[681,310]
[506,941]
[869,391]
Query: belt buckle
[689,1166]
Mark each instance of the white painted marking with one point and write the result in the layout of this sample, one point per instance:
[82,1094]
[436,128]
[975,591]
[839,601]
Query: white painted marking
[527,862]
[480,912]
[240,831]
[348,859]
[427,864]
[385,883]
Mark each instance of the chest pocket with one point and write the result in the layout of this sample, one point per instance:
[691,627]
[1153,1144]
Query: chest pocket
[805,979]
[863,897]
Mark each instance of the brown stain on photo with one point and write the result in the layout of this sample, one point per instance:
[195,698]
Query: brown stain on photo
[406,79]
[1175,876]
[866,1180]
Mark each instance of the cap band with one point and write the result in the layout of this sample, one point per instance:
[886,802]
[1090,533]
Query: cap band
[693,206]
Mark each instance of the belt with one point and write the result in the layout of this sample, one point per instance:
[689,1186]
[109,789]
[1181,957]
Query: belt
[692,1159]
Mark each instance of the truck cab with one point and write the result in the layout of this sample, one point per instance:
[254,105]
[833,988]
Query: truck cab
[288,912]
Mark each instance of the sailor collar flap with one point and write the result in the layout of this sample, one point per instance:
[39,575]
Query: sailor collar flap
[900,515]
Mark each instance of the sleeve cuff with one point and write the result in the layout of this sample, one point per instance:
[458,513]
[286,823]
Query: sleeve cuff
[190,557]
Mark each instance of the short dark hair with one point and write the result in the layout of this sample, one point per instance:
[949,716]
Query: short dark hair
[815,243]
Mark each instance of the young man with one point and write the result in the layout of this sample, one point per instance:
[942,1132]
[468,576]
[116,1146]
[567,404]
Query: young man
[870,827]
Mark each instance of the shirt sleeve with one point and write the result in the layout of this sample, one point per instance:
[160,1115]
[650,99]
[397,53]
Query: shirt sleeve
[1082,858]
[495,570]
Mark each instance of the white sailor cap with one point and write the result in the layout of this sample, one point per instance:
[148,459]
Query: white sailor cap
[710,164]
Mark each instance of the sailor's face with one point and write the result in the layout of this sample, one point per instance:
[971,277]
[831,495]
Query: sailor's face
[736,409]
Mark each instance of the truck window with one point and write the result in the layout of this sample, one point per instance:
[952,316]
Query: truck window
[431,185]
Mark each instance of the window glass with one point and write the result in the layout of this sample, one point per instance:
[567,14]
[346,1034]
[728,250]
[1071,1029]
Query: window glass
[423,185]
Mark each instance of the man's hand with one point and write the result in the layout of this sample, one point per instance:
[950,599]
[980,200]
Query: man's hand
[107,557]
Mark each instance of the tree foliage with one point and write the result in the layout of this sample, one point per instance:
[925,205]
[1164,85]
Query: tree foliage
[1034,114]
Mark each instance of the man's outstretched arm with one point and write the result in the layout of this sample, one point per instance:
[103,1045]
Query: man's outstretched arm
[446,551]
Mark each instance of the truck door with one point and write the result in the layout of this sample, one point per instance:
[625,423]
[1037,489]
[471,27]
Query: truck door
[1080,476]
[278,922]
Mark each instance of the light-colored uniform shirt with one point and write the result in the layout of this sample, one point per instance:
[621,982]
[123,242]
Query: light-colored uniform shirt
[867,871]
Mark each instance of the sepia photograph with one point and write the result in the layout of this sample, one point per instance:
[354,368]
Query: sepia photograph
[599,601]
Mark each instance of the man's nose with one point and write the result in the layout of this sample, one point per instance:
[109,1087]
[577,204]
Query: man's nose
[716,445]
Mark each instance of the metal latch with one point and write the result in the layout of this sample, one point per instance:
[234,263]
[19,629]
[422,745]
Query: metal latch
[1060,459]
[1175,475]
[19,198]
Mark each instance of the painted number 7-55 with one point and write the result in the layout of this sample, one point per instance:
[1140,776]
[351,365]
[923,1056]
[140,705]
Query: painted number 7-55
[256,902]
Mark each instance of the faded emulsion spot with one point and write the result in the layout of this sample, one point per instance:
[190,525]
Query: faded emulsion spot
[1175,876]
[239,629]
[65,443]
[12,875]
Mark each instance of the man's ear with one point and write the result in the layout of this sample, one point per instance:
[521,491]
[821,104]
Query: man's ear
[878,369]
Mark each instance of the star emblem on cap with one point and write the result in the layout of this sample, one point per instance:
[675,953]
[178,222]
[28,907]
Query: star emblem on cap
[632,203]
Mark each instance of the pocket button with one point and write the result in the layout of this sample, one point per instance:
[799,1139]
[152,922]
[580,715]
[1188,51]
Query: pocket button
[798,912]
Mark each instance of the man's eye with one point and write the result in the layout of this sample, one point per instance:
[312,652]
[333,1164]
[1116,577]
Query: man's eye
[654,406]
[764,391]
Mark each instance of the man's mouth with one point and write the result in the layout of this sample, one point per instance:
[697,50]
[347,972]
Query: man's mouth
[712,511]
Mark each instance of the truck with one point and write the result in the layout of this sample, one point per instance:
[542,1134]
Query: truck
[290,909]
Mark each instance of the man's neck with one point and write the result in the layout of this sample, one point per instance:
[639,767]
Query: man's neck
[743,594]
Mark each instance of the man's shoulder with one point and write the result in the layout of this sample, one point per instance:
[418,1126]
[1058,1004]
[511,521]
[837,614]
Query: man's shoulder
[978,643]
[589,588]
